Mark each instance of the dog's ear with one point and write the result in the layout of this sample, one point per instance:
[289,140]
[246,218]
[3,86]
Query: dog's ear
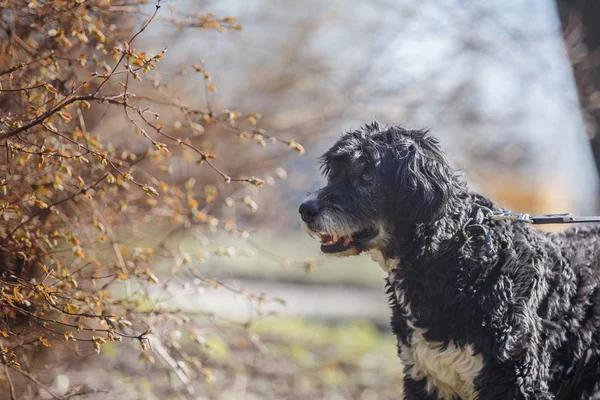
[424,178]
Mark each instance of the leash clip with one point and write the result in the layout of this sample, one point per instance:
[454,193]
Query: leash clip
[506,215]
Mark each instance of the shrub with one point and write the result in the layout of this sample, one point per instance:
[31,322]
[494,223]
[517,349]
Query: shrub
[78,194]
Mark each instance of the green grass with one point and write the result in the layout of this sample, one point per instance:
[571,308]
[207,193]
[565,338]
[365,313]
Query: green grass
[303,359]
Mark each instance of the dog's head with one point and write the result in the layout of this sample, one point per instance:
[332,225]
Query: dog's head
[378,180]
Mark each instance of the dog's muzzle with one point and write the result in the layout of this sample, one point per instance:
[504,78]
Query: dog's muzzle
[333,240]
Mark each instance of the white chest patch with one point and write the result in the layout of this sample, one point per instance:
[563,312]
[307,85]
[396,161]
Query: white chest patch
[449,373]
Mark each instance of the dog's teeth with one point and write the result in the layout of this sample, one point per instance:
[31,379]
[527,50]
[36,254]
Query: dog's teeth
[334,238]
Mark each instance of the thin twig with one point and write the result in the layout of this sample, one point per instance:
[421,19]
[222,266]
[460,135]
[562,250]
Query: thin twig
[10,383]
[7,373]
[38,383]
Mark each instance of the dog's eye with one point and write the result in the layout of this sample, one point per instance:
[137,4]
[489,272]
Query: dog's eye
[366,176]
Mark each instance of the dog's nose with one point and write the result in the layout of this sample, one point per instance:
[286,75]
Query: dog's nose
[309,210]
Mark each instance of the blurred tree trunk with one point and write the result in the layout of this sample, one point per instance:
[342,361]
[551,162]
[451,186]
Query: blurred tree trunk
[580,21]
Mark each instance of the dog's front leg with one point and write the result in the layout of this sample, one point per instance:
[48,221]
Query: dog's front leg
[417,389]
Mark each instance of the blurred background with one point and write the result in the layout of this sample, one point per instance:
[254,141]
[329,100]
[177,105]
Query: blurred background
[493,80]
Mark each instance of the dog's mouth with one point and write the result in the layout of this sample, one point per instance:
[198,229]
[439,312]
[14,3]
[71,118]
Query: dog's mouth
[332,243]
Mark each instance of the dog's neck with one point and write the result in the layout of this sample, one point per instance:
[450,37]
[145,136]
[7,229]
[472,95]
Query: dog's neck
[428,240]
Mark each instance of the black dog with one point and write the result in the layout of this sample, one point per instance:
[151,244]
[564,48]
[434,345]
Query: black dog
[483,309]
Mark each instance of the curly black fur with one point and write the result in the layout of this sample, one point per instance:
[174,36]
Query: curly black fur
[526,302]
